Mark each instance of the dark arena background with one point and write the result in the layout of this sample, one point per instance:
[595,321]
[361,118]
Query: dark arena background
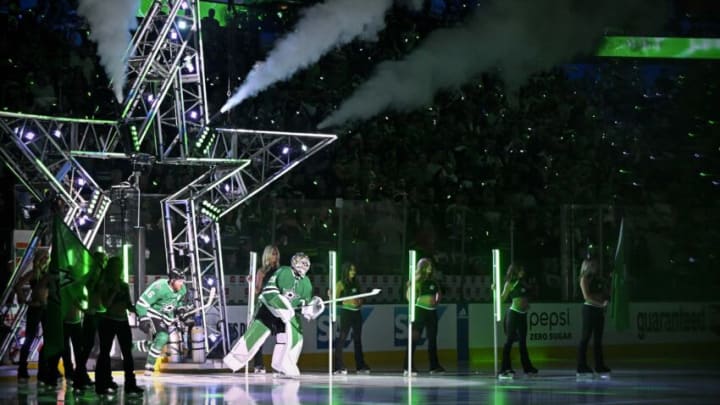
[556,163]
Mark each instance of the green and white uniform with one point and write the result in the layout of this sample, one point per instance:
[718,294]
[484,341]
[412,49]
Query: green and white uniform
[157,304]
[285,291]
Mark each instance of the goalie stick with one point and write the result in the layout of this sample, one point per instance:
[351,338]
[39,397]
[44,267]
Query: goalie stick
[375,291]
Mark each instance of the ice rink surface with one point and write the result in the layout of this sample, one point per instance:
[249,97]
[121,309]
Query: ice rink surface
[559,386]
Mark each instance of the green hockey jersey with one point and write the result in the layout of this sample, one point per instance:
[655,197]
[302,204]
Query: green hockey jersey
[283,281]
[159,300]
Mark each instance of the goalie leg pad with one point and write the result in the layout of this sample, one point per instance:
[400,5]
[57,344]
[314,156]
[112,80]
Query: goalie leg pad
[287,349]
[297,346]
[247,346]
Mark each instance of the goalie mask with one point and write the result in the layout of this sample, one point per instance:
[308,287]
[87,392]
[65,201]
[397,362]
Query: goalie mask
[300,263]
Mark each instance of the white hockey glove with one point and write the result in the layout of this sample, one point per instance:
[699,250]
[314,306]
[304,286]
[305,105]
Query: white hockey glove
[313,309]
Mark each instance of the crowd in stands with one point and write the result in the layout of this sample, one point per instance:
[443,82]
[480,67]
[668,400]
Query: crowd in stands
[478,167]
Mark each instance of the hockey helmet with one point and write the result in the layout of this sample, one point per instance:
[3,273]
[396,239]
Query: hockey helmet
[300,263]
[176,274]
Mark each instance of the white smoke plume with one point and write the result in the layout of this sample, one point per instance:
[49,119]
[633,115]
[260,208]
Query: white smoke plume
[517,37]
[321,28]
[110,24]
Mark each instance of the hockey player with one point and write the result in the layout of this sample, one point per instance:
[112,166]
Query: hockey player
[156,310]
[286,290]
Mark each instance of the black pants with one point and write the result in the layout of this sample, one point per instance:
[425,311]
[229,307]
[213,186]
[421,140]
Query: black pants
[516,331]
[350,320]
[108,329]
[89,331]
[258,359]
[425,318]
[593,324]
[33,317]
[47,365]
[72,332]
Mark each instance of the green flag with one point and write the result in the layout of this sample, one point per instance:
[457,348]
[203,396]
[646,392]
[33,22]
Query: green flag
[70,266]
[620,301]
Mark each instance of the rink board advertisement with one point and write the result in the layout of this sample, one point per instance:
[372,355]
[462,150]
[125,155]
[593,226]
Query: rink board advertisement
[549,324]
[384,328]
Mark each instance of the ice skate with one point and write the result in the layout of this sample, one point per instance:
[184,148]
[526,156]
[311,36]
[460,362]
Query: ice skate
[437,370]
[363,370]
[531,372]
[584,373]
[506,375]
[603,372]
[412,373]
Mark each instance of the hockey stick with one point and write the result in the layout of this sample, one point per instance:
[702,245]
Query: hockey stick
[204,307]
[375,291]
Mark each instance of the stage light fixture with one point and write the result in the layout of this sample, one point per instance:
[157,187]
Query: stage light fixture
[209,282]
[205,141]
[94,200]
[135,137]
[210,210]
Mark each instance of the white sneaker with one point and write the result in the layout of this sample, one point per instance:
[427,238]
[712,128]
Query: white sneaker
[413,373]
[259,370]
[342,371]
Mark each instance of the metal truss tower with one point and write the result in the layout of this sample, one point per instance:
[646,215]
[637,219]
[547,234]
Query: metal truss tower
[191,216]
[167,101]
[165,114]
[38,150]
